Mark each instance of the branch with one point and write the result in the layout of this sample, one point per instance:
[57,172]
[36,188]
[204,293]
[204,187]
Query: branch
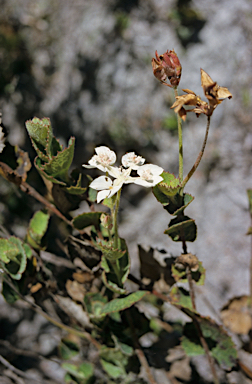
[36,308]
[195,165]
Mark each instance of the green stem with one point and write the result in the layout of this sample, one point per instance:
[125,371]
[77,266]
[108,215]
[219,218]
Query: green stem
[115,217]
[116,264]
[195,165]
[180,137]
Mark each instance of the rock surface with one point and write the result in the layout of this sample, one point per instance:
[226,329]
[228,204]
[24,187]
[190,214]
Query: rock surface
[87,66]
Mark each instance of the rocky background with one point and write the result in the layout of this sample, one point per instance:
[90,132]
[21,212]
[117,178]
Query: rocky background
[87,65]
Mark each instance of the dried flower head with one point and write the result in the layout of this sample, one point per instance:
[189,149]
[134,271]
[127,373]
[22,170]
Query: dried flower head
[189,99]
[167,65]
[213,92]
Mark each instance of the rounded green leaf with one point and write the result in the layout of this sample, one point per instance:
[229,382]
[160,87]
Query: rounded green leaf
[14,252]
[179,296]
[37,228]
[40,132]
[182,228]
[86,219]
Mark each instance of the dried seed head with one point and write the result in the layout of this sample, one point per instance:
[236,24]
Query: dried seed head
[167,66]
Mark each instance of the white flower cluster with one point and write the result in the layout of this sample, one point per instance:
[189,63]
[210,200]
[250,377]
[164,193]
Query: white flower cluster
[148,174]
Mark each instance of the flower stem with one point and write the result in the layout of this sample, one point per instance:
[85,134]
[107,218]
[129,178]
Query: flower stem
[195,165]
[180,137]
[115,217]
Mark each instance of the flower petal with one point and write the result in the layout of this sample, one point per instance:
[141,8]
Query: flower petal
[106,152]
[102,182]
[151,168]
[132,160]
[150,183]
[102,195]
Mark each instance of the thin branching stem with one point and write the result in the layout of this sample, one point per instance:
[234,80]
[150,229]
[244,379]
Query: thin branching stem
[191,287]
[36,308]
[180,137]
[25,187]
[195,165]
[138,350]
[206,349]
[198,328]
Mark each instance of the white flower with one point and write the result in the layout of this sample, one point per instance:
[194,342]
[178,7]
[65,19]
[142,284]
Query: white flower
[149,175]
[132,160]
[2,145]
[102,160]
[107,187]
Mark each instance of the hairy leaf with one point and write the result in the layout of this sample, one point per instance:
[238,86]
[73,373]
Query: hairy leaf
[181,297]
[182,228]
[117,305]
[59,165]
[219,342]
[13,256]
[86,219]
[40,132]
[37,228]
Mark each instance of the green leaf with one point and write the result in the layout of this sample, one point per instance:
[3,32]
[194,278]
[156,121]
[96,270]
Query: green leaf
[110,281]
[9,294]
[92,194]
[8,250]
[109,202]
[39,166]
[168,194]
[191,346]
[59,165]
[28,250]
[86,369]
[68,349]
[86,219]
[76,189]
[182,228]
[55,146]
[181,297]
[18,264]
[116,265]
[82,372]
[117,305]
[219,342]
[113,370]
[37,228]
[114,362]
[187,199]
[40,132]
[167,188]
[13,257]
[94,304]
[124,348]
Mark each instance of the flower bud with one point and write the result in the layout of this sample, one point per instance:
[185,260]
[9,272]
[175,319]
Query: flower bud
[167,65]
[106,221]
